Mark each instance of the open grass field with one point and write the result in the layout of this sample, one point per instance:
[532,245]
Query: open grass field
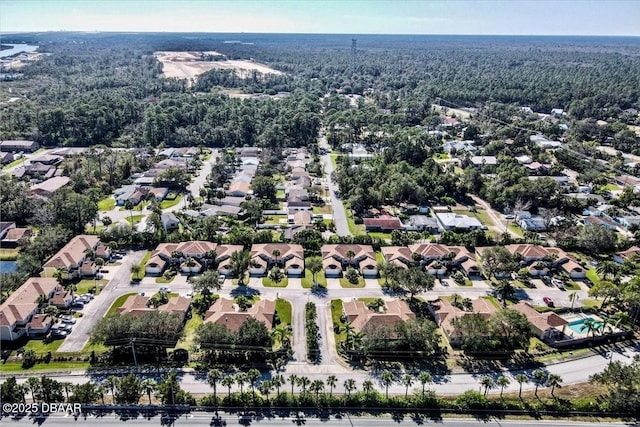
[107,204]
[168,203]
[284,309]
[307,280]
[267,282]
[346,284]
[336,314]
[118,303]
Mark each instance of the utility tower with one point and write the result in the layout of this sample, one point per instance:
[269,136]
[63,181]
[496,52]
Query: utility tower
[353,55]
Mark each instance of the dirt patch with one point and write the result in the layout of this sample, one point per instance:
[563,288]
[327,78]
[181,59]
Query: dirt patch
[189,65]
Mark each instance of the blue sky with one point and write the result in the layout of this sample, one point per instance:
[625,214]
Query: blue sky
[537,17]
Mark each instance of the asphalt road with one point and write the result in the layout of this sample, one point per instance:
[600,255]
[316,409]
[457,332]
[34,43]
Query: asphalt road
[96,309]
[224,419]
[339,217]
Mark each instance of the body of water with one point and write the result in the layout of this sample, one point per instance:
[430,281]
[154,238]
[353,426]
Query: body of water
[16,48]
[576,325]
[7,266]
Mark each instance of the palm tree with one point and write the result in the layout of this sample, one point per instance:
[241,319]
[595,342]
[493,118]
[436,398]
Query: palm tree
[241,379]
[386,377]
[367,387]
[265,388]
[149,385]
[590,325]
[101,390]
[539,377]
[304,382]
[607,269]
[112,382]
[554,381]
[487,382]
[349,386]
[407,381]
[521,379]
[136,269]
[317,386]
[331,381]
[350,254]
[228,381]
[33,384]
[213,376]
[504,289]
[129,206]
[282,333]
[424,377]
[293,379]
[314,264]
[239,264]
[276,254]
[573,297]
[253,375]
[502,382]
[66,386]
[278,381]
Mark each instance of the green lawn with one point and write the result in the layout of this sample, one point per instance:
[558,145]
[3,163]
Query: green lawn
[140,206]
[571,286]
[336,314]
[190,331]
[307,280]
[162,280]
[14,163]
[592,275]
[41,348]
[9,254]
[134,219]
[333,157]
[513,227]
[51,366]
[326,209]
[283,309]
[610,187]
[280,194]
[590,303]
[83,286]
[353,227]
[380,235]
[276,219]
[118,303]
[167,203]
[267,282]
[346,284]
[480,215]
[107,204]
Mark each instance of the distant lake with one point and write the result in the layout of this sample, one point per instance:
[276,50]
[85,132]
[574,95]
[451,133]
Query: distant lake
[7,266]
[16,48]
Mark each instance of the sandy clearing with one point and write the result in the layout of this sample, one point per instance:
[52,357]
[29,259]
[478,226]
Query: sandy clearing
[188,65]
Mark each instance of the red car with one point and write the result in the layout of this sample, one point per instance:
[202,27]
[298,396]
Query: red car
[548,301]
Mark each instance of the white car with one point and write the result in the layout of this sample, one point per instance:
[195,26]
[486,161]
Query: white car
[68,319]
[165,289]
[189,294]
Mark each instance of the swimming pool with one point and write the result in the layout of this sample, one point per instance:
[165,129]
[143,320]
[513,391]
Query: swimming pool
[576,325]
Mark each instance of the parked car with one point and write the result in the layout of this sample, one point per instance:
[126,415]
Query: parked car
[57,334]
[558,283]
[509,217]
[221,278]
[548,301]
[90,296]
[165,289]
[189,294]
[82,300]
[67,318]
[63,327]
[77,305]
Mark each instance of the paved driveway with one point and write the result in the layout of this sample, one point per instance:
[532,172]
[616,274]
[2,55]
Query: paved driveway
[339,217]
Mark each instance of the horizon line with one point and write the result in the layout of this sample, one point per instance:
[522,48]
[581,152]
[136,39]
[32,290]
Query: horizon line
[311,33]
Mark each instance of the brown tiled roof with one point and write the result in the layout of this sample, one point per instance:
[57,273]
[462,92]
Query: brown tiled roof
[446,312]
[292,254]
[16,234]
[634,250]
[361,317]
[40,321]
[73,252]
[61,298]
[385,222]
[135,305]
[335,255]
[176,305]
[51,185]
[528,251]
[24,300]
[540,321]
[223,312]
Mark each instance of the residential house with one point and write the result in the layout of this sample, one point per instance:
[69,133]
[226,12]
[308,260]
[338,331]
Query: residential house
[457,147]
[295,203]
[224,210]
[138,305]
[422,223]
[61,298]
[5,226]
[17,146]
[265,256]
[19,308]
[39,325]
[223,257]
[239,189]
[231,201]
[454,221]
[627,180]
[337,258]
[248,151]
[169,221]
[547,326]
[538,168]
[630,254]
[6,157]
[225,312]
[14,237]
[48,188]
[73,258]
[291,231]
[300,217]
[553,257]
[159,192]
[543,142]
[47,159]
[383,223]
[629,221]
[179,253]
[362,318]
[432,257]
[484,161]
[444,313]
